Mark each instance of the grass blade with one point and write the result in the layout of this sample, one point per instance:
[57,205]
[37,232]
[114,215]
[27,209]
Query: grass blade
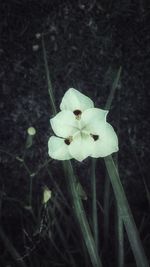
[120,238]
[126,214]
[107,181]
[106,211]
[113,89]
[50,91]
[94,203]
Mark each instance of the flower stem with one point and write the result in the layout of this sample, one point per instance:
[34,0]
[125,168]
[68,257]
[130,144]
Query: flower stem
[120,237]
[81,216]
[106,211]
[94,204]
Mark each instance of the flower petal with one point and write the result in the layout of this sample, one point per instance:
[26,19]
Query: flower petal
[92,118]
[107,142]
[64,124]
[57,149]
[81,147]
[74,100]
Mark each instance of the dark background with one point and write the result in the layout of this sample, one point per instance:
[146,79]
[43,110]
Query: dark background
[86,43]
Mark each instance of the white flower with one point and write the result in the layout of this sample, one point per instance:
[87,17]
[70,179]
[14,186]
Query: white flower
[81,130]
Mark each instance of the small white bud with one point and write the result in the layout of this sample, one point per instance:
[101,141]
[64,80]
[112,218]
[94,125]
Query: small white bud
[31,131]
[47,194]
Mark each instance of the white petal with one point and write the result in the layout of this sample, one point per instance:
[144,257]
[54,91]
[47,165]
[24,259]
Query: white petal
[57,149]
[92,118]
[74,100]
[107,142]
[81,147]
[64,124]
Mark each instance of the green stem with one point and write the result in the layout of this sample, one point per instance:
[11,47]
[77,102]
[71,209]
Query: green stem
[31,182]
[120,238]
[120,227]
[106,211]
[81,216]
[50,91]
[113,89]
[126,214]
[94,204]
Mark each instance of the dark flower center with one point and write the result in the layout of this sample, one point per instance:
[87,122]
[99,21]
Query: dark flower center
[68,140]
[77,112]
[95,137]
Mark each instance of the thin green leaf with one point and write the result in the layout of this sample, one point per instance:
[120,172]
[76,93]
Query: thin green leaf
[113,89]
[94,203]
[126,214]
[50,91]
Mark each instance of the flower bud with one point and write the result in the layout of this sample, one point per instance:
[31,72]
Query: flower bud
[31,132]
[47,194]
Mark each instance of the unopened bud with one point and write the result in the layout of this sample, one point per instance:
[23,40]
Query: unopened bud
[31,131]
[47,194]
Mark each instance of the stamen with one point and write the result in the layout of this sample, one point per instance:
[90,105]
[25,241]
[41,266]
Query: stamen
[95,137]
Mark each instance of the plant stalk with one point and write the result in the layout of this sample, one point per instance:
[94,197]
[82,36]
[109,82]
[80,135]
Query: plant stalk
[81,216]
[126,214]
